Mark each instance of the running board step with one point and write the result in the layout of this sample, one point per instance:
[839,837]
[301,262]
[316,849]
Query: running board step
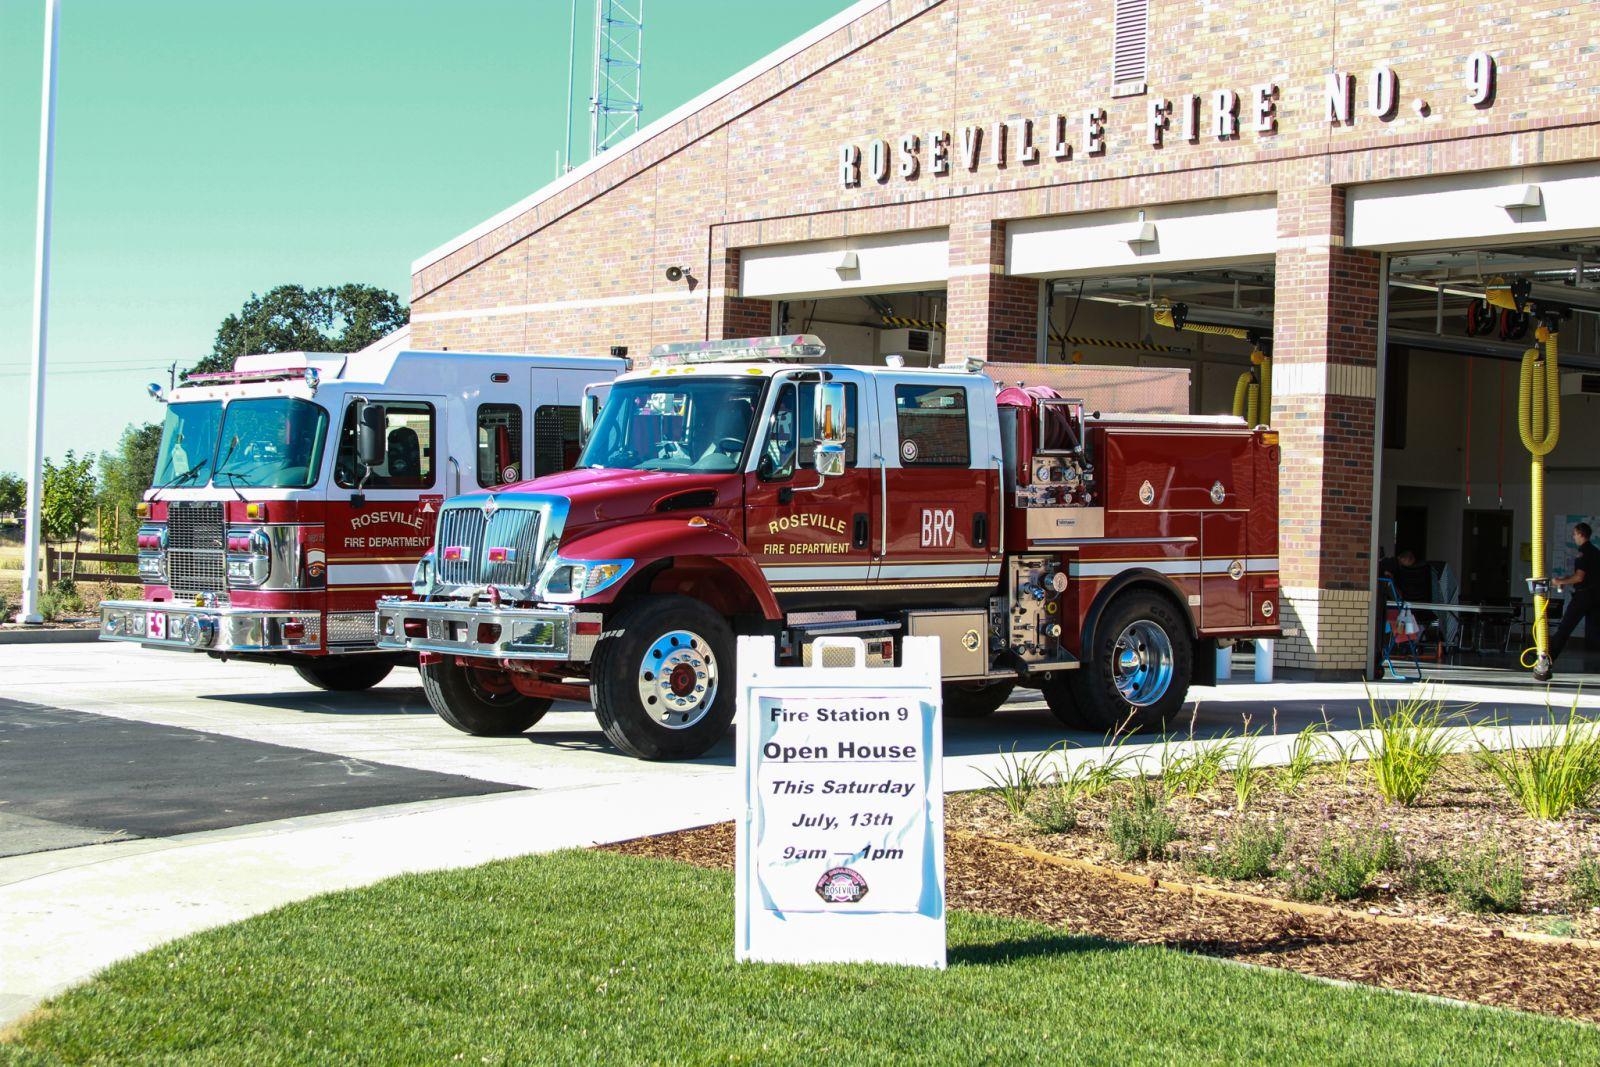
[846,626]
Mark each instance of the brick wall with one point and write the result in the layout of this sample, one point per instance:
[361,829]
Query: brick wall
[580,266]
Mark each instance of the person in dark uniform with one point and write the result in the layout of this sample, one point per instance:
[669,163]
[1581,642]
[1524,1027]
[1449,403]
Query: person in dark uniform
[1585,584]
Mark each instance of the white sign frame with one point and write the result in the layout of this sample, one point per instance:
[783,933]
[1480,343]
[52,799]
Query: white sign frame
[761,932]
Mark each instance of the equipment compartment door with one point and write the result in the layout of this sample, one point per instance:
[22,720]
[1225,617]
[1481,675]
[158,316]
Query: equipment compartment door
[941,505]
[815,545]
[1224,597]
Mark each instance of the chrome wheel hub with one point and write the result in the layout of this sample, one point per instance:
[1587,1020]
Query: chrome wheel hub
[1142,663]
[678,679]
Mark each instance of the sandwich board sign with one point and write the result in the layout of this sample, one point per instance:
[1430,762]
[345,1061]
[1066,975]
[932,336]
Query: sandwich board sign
[839,852]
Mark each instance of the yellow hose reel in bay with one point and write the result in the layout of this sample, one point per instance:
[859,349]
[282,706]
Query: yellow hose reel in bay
[1252,394]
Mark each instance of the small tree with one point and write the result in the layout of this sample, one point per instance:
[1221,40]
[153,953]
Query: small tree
[124,476]
[13,494]
[69,500]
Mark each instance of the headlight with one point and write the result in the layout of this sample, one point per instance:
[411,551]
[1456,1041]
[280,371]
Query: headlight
[249,556]
[422,579]
[567,579]
[152,542]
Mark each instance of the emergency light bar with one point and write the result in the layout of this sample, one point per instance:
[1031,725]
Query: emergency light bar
[789,346]
[275,374]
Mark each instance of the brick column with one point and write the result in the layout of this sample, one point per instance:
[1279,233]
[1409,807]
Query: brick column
[1324,403]
[732,315]
[990,314]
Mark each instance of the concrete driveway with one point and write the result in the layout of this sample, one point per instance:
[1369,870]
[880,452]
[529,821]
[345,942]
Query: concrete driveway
[148,794]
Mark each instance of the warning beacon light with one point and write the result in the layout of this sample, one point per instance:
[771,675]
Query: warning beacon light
[789,346]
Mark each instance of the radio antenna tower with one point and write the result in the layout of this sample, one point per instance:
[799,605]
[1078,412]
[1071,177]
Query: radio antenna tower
[614,105]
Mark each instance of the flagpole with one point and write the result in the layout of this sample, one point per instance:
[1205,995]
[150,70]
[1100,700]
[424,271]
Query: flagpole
[41,320]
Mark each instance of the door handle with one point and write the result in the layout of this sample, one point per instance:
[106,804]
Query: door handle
[980,529]
[862,536]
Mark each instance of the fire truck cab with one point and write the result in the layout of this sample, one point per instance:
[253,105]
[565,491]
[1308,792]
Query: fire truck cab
[733,487]
[293,491]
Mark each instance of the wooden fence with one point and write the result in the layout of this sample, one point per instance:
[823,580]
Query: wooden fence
[60,565]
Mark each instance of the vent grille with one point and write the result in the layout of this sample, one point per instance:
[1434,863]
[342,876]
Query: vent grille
[1130,47]
[460,528]
[470,530]
[350,628]
[196,547]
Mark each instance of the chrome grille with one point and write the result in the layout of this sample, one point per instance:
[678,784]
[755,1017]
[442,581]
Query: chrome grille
[196,547]
[463,528]
[517,530]
[466,527]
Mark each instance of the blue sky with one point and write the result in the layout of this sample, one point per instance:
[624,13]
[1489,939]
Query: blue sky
[207,150]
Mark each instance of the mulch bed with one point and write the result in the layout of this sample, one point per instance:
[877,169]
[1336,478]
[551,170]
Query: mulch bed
[1462,811]
[1486,967]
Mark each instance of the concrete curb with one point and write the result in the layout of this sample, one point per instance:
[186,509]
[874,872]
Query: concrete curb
[48,637]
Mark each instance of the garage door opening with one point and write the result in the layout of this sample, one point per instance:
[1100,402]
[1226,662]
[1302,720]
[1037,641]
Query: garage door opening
[1455,523]
[868,328]
[1214,324]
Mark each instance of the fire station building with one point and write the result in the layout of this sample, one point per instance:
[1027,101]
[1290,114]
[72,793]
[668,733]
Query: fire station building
[1038,181]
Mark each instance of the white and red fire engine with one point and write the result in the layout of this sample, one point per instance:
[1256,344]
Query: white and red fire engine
[733,487]
[293,491]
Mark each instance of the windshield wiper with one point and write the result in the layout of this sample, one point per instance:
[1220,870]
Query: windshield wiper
[223,472]
[181,479]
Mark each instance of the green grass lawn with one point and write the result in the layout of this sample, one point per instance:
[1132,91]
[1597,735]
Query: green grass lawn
[597,957]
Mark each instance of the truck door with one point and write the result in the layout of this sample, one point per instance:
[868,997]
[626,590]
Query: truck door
[813,542]
[940,506]
[380,522]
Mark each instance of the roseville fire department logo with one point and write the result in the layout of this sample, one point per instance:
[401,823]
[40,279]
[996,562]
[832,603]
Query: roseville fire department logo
[908,449]
[1147,493]
[841,885]
[1218,493]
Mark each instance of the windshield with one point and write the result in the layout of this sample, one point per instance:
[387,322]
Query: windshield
[674,424]
[274,442]
[188,443]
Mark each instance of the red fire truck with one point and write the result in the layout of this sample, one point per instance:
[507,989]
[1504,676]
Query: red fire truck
[734,487]
[293,491]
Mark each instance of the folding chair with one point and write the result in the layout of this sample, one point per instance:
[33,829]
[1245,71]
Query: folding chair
[1401,631]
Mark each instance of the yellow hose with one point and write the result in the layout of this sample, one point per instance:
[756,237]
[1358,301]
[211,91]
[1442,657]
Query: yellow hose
[1241,395]
[1253,405]
[1539,426]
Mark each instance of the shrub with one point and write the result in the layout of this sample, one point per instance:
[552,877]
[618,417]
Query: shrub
[1405,747]
[1552,779]
[1247,773]
[1057,811]
[1139,825]
[1342,870]
[1302,758]
[59,600]
[1585,882]
[1017,779]
[1198,768]
[1479,880]
[1246,854]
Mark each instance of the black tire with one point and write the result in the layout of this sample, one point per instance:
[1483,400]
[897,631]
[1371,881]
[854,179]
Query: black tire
[1059,695]
[636,703]
[975,700]
[475,703]
[1140,622]
[345,674]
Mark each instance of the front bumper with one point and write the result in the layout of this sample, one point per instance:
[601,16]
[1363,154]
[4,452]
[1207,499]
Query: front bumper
[164,624]
[452,628]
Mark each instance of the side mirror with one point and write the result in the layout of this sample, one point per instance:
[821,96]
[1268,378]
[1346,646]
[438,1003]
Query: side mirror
[588,412]
[830,422]
[371,424]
